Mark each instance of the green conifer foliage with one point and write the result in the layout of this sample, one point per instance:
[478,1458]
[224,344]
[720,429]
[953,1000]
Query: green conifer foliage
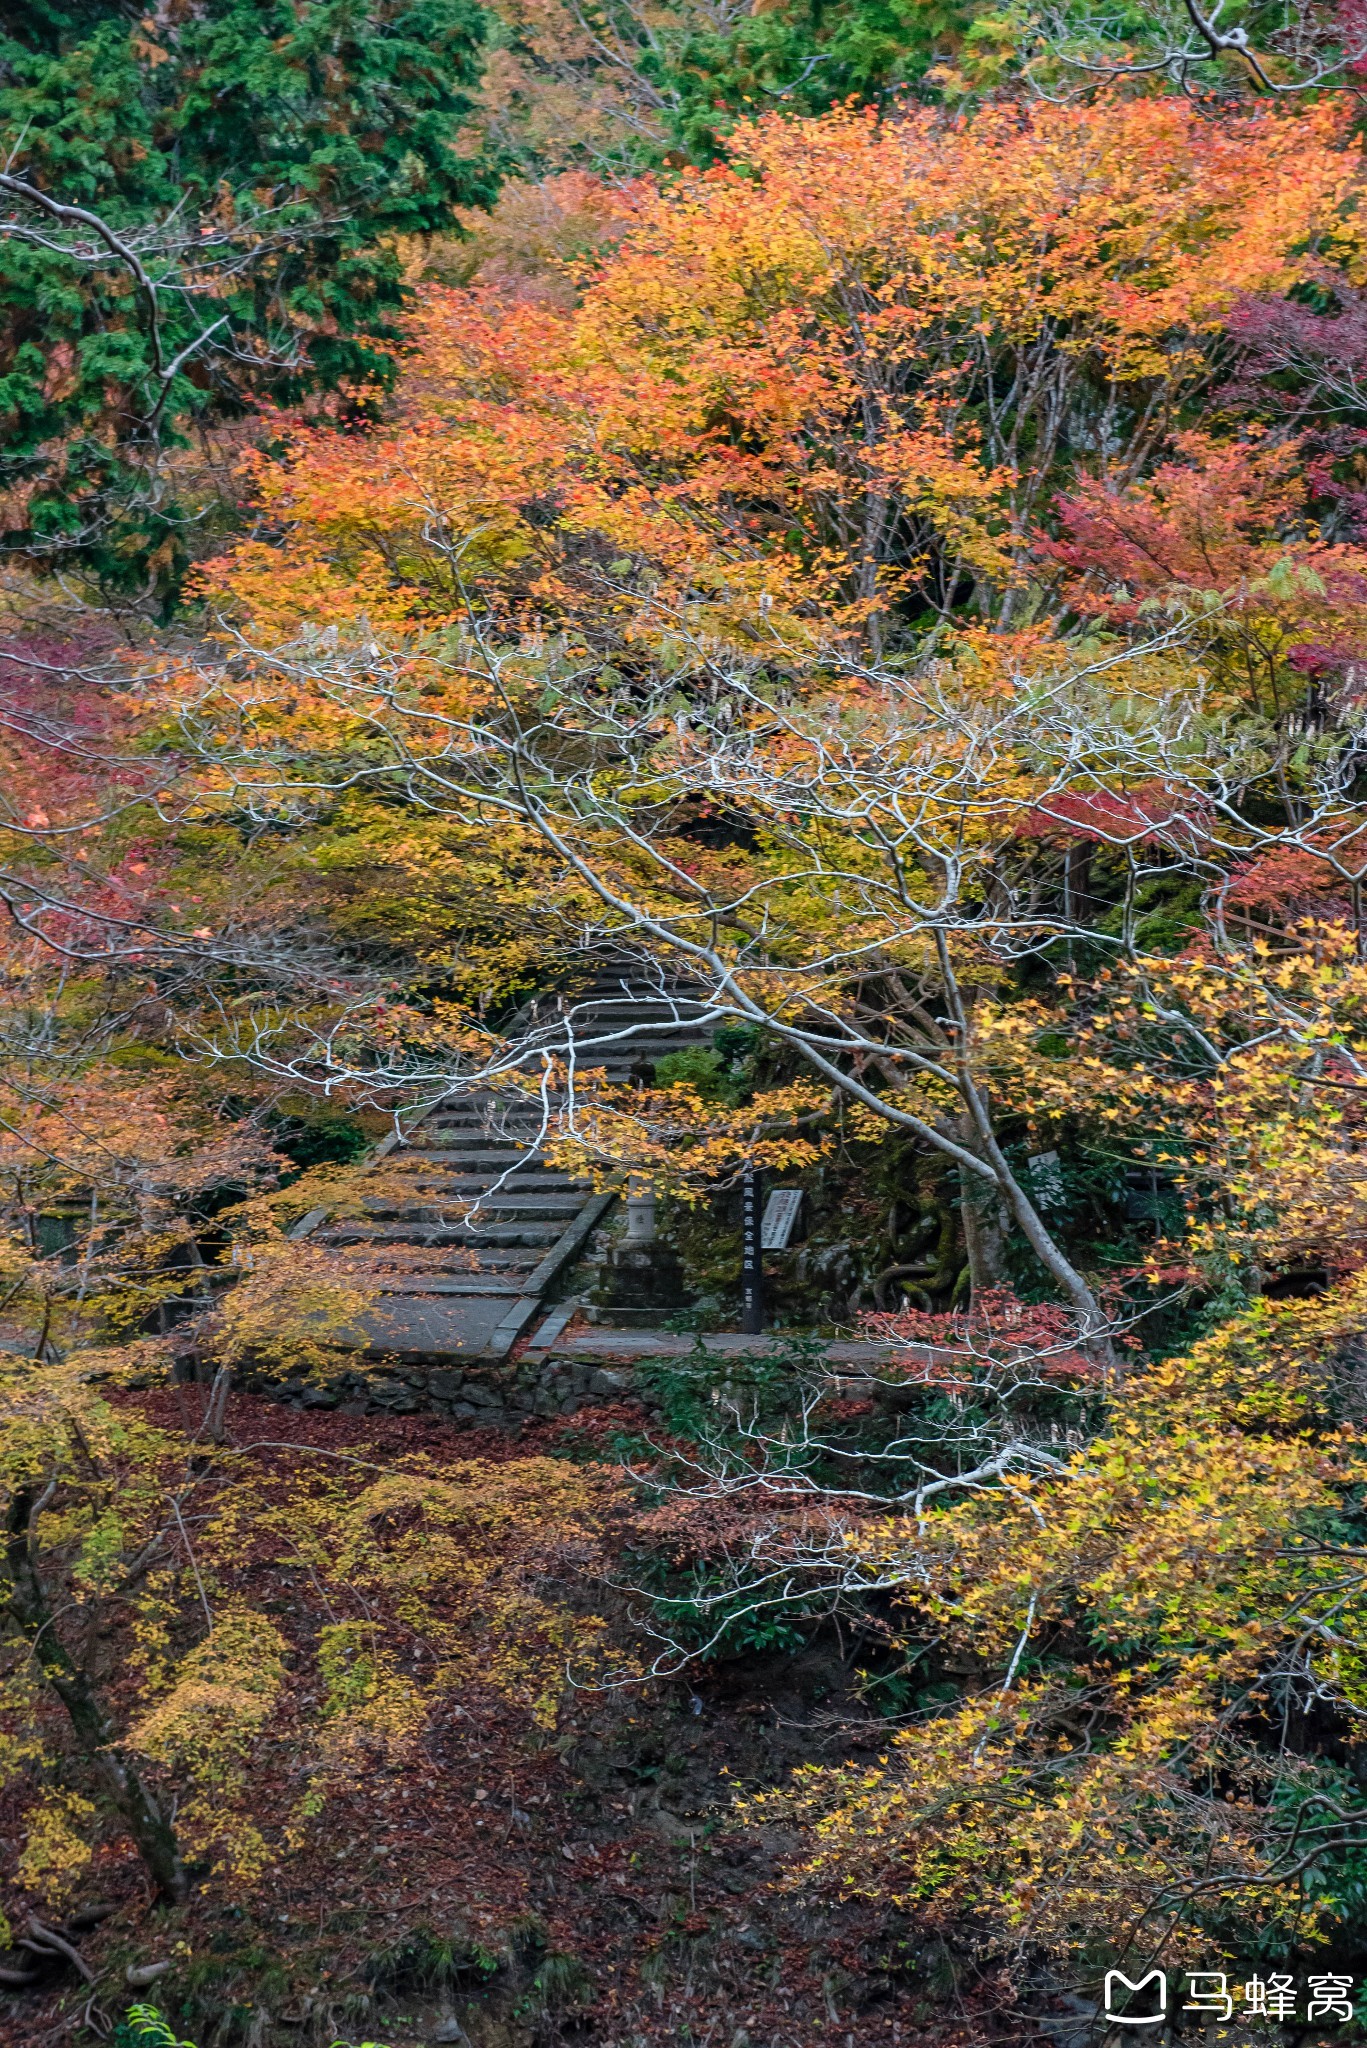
[804,55]
[257,163]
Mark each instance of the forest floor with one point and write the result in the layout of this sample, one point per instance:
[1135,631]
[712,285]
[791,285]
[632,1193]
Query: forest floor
[512,1885]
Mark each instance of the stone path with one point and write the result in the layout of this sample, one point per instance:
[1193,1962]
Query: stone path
[625,1345]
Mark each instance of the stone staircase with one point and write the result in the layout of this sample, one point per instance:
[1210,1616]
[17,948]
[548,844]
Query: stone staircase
[480,1229]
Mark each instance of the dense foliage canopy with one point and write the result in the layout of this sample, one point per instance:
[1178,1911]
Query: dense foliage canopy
[902,582]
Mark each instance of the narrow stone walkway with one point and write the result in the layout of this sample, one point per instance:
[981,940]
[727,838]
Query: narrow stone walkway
[623,1346]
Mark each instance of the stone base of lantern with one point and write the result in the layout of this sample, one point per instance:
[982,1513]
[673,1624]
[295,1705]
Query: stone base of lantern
[641,1280]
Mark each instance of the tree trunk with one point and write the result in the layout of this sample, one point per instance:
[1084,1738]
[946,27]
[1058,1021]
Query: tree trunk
[152,1833]
[985,1223]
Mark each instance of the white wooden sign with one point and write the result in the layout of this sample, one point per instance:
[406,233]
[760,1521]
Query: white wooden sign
[780,1214]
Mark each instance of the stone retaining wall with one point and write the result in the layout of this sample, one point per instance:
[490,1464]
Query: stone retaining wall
[479,1398]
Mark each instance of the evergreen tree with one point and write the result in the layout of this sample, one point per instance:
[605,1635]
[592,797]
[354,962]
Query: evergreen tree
[804,55]
[203,205]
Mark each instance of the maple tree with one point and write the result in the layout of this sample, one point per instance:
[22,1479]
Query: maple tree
[1023,840]
[774,554]
[903,586]
[1152,1602]
[130,1562]
[832,372]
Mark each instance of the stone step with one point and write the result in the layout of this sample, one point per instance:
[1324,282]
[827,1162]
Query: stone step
[421,1285]
[618,1051]
[515,1122]
[511,1123]
[491,1265]
[526,1128]
[441,1215]
[490,1236]
[611,995]
[554,1325]
[461,1152]
[601,1022]
[514,1181]
[435,1186]
[476,1221]
[621,1010]
[438,1154]
[524,1114]
[419,1326]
